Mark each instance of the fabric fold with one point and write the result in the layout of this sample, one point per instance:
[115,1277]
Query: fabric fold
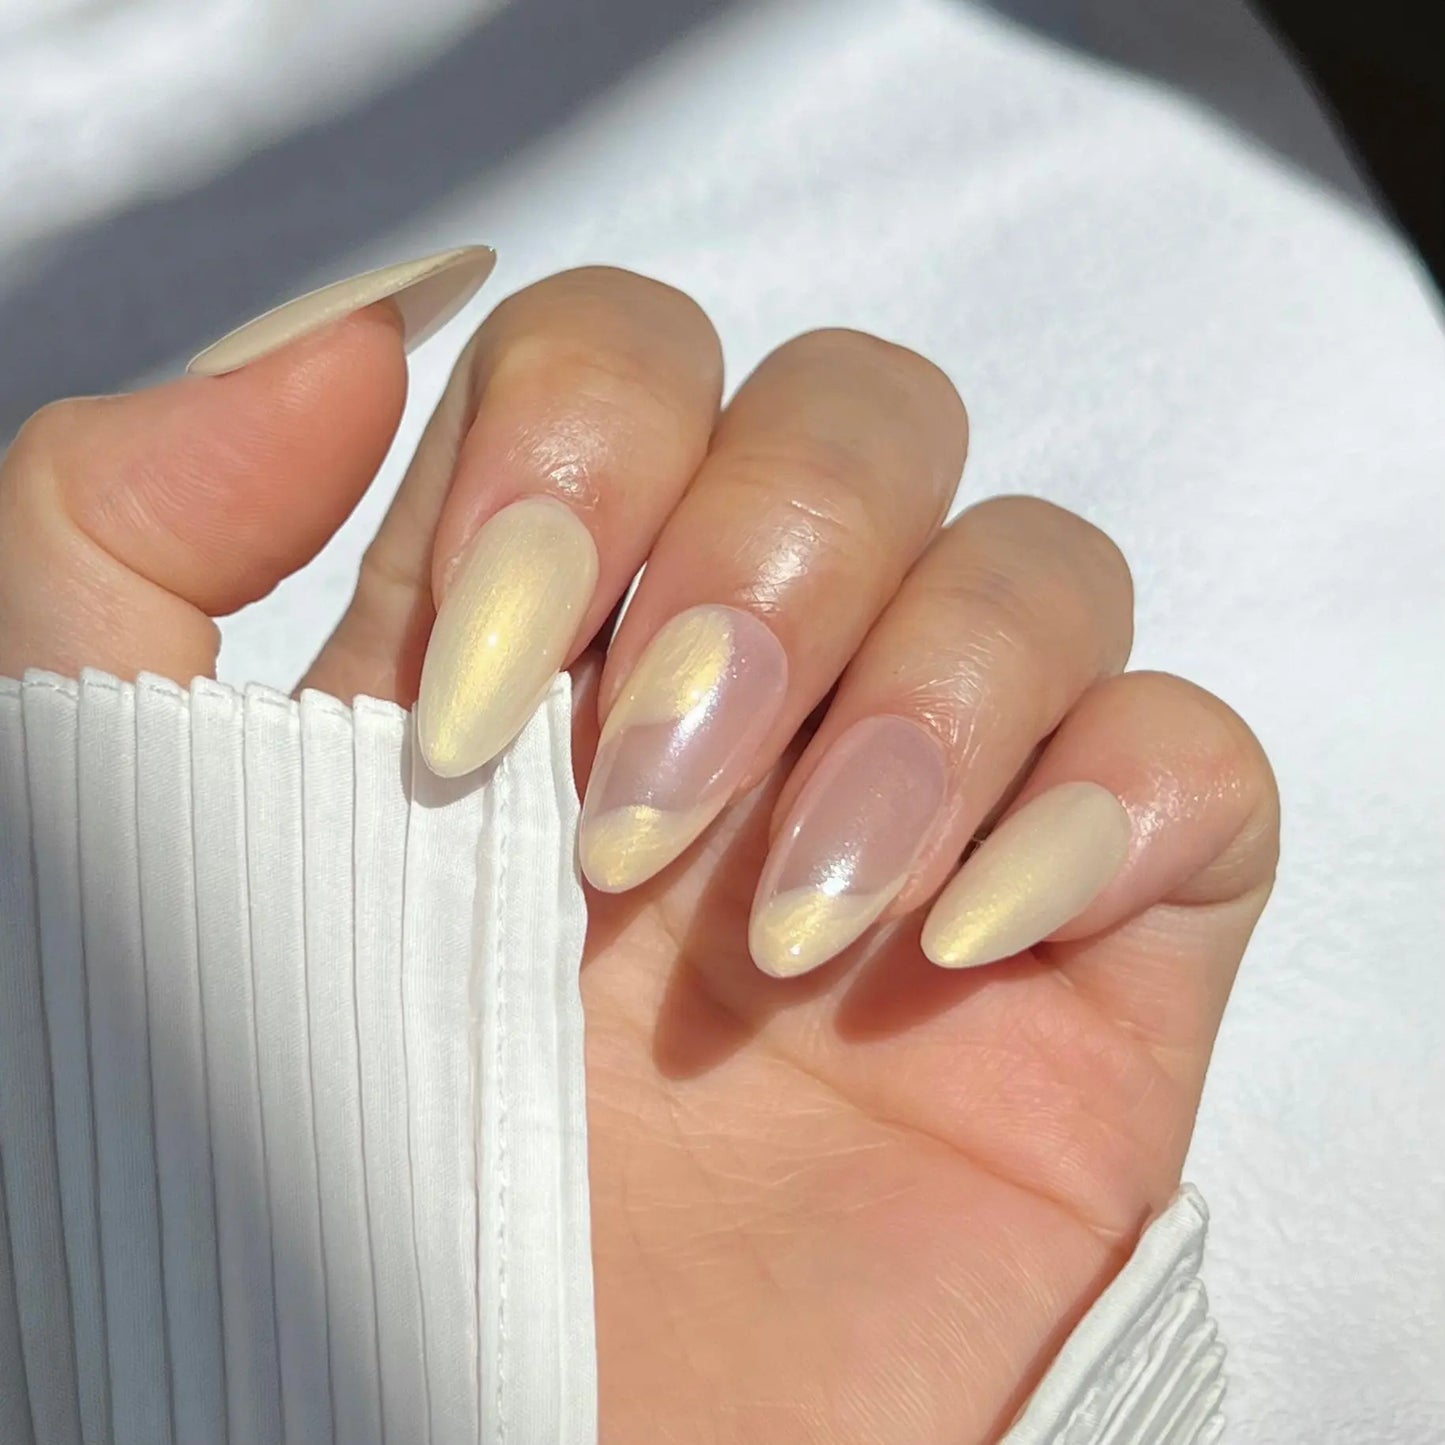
[120,1064]
[1144,1366]
[50,707]
[533,1204]
[271,760]
[328,788]
[238,1162]
[379,870]
[189,1261]
[27,1120]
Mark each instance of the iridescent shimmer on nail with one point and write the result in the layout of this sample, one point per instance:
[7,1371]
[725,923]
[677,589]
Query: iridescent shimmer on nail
[678,740]
[1041,867]
[849,844]
[504,629]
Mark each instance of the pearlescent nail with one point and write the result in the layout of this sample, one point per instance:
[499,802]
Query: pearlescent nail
[849,843]
[1041,867]
[679,738]
[504,629]
[428,292]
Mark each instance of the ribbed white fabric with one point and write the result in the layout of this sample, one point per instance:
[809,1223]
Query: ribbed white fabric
[1144,1366]
[27,1137]
[268,989]
[292,1109]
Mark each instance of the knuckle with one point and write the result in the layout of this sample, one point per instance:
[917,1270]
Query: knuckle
[989,593]
[1019,621]
[908,378]
[1038,524]
[1053,566]
[819,482]
[651,325]
[386,571]
[1227,756]
[45,437]
[615,287]
[834,343]
[595,397]
[633,296]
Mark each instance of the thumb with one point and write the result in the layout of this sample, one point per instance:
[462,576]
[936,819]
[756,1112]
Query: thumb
[128,522]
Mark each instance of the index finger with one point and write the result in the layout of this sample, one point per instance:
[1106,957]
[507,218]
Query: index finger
[574,422]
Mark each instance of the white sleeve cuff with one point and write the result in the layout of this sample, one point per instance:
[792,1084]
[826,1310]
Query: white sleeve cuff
[1144,1366]
[292,1120]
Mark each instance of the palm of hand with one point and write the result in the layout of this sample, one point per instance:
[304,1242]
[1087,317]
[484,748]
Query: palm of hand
[866,1205]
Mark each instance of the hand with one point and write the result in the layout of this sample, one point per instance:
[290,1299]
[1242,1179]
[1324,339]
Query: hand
[866,1201]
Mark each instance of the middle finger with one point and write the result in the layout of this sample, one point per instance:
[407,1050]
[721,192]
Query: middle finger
[827,476]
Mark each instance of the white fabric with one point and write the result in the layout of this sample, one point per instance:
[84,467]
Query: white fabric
[304,990]
[173,996]
[93,87]
[27,1138]
[1144,1366]
[1179,320]
[533,1199]
[120,1049]
[243,1217]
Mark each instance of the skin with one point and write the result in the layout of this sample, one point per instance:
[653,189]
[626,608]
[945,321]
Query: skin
[865,1205]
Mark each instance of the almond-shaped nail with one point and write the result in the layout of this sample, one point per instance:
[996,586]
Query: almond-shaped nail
[1041,867]
[686,725]
[428,292]
[504,629]
[849,843]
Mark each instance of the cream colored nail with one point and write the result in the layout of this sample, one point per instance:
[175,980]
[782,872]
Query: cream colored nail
[1037,870]
[428,291]
[505,627]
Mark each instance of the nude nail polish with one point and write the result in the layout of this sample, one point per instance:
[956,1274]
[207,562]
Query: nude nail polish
[428,291]
[849,843]
[678,740]
[1041,867]
[504,629]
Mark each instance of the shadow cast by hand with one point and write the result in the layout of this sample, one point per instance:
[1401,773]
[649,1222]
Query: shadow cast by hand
[717,1000]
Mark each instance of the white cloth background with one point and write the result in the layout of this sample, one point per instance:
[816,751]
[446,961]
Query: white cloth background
[1168,306]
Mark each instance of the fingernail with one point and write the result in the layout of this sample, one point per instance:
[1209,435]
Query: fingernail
[848,845]
[1038,869]
[428,291]
[504,630]
[678,740]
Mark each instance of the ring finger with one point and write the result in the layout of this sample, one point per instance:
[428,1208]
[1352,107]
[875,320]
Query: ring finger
[1011,615]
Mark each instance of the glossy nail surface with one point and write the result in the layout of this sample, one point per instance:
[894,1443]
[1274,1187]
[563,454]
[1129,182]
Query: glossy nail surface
[428,291]
[848,845]
[505,627]
[678,740]
[1039,868]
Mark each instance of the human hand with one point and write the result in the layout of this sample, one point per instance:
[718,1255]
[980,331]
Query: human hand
[865,1203]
